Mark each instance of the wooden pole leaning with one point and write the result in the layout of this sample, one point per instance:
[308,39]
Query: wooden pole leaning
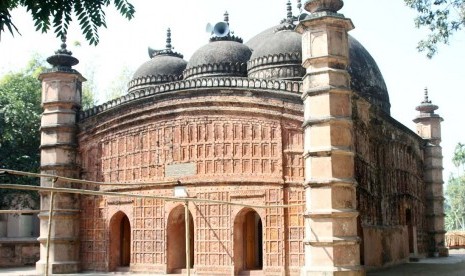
[50,216]
[188,251]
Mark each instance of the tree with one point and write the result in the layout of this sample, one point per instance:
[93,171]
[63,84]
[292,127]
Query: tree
[58,14]
[88,90]
[455,193]
[20,97]
[442,17]
[119,85]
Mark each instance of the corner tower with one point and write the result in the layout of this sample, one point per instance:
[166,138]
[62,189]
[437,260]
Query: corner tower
[61,99]
[332,246]
[429,128]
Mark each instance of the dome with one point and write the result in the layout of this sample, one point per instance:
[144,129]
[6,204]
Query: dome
[161,65]
[366,78]
[219,58]
[164,66]
[274,56]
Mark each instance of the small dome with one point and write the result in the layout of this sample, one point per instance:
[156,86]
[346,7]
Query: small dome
[161,65]
[164,66]
[219,58]
[276,54]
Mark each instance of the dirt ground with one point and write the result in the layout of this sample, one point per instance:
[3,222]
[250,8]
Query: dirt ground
[452,265]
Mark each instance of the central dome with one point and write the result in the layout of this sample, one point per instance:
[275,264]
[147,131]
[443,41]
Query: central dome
[219,58]
[277,54]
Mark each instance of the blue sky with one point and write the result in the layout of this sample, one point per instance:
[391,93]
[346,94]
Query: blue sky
[384,27]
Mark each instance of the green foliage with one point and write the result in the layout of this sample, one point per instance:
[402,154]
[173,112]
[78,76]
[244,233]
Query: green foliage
[119,85]
[88,88]
[455,193]
[20,96]
[455,211]
[58,14]
[442,17]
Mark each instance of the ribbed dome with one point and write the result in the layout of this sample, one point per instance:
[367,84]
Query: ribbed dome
[161,65]
[276,54]
[274,57]
[219,58]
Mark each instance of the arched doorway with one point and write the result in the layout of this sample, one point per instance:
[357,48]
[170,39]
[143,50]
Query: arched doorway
[409,222]
[177,240]
[120,241]
[248,241]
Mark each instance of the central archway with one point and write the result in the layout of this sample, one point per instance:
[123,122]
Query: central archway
[176,242]
[248,241]
[120,241]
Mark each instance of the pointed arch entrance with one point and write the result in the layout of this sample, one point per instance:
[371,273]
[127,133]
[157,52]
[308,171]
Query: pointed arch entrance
[176,243]
[248,241]
[120,241]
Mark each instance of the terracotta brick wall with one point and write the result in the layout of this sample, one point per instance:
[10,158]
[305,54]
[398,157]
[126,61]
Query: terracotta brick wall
[246,157]
[389,172]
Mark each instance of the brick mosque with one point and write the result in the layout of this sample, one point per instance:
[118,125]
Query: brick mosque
[284,145]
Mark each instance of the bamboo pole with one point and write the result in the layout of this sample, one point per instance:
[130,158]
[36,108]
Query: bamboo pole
[175,199]
[49,233]
[188,251]
[80,181]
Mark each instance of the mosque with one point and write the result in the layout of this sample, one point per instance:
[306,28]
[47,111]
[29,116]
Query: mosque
[277,156]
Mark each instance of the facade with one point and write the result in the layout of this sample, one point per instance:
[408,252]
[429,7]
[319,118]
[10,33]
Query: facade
[285,146]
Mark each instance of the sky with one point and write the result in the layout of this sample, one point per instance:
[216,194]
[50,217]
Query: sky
[385,27]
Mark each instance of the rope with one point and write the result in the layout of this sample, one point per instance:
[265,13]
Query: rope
[73,180]
[167,198]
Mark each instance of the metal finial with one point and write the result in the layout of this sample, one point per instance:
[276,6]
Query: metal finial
[289,11]
[63,57]
[299,6]
[168,39]
[63,49]
[226,17]
[426,100]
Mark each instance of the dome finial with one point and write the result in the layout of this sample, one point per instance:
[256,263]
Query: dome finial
[63,57]
[324,5]
[289,18]
[426,100]
[63,49]
[426,106]
[168,39]
[226,17]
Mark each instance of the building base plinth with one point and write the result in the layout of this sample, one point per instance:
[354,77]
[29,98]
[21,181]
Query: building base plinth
[443,252]
[58,267]
[333,271]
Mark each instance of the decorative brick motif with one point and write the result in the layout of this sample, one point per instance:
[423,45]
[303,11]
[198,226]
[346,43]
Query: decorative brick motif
[388,167]
[213,244]
[217,146]
[93,233]
[149,231]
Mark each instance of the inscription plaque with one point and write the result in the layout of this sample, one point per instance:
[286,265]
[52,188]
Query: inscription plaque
[179,170]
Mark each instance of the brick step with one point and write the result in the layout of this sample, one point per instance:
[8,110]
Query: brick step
[122,269]
[182,271]
[251,273]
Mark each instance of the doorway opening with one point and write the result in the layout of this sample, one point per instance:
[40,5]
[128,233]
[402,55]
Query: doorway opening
[120,241]
[248,241]
[176,242]
[409,222]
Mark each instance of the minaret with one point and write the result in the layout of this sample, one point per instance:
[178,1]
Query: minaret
[429,128]
[332,246]
[61,100]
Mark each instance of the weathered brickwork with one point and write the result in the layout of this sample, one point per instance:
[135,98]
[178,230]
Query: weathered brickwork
[254,160]
[389,171]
